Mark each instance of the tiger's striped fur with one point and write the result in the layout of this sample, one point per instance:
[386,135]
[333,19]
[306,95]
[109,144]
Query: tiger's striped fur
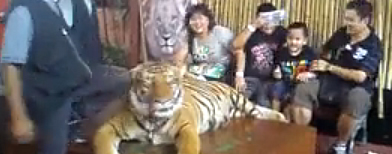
[167,105]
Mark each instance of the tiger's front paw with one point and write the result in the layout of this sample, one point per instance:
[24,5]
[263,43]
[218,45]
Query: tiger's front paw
[279,117]
[269,114]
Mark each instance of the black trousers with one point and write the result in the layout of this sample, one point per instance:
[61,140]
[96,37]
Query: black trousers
[108,83]
[51,135]
[4,129]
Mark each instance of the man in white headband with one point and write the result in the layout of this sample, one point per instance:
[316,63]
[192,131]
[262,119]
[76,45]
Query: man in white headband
[257,44]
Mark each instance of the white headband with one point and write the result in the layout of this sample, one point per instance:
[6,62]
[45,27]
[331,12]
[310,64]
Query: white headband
[273,16]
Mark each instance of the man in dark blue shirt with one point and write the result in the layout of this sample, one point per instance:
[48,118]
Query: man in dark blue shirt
[51,58]
[348,68]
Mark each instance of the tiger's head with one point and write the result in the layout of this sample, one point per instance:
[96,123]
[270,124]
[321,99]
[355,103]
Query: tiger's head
[156,89]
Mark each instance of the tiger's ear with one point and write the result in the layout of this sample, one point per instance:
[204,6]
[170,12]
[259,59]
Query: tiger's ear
[134,71]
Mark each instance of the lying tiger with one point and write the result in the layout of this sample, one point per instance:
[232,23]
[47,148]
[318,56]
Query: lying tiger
[168,105]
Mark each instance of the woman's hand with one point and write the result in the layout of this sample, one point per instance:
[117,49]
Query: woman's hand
[305,76]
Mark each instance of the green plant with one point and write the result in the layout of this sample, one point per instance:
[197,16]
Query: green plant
[114,55]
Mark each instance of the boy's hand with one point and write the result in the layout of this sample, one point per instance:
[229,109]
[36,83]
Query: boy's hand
[277,74]
[319,65]
[305,76]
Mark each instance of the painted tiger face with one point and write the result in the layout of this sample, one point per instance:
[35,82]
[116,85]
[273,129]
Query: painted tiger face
[156,89]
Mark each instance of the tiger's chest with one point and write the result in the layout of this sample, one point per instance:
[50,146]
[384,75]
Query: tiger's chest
[149,132]
[154,138]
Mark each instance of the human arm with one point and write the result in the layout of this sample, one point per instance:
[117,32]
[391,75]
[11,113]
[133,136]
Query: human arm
[239,57]
[239,54]
[241,39]
[21,126]
[18,33]
[181,57]
[356,75]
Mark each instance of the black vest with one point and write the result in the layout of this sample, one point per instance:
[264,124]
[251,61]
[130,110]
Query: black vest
[53,69]
[87,31]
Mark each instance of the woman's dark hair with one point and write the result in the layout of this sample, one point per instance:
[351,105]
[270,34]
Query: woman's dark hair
[363,8]
[300,25]
[265,7]
[204,10]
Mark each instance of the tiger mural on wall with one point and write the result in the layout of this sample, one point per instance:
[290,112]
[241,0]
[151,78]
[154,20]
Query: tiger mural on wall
[166,104]
[164,26]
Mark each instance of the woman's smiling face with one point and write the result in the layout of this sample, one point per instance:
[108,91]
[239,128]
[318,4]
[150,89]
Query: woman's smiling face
[199,23]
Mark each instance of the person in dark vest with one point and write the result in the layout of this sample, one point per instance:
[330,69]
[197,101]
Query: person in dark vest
[113,80]
[50,54]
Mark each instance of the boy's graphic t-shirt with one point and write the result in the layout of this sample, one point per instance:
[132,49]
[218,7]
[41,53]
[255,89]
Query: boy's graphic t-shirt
[291,66]
[263,55]
[260,51]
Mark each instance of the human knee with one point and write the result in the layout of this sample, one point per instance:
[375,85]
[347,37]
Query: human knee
[359,102]
[300,114]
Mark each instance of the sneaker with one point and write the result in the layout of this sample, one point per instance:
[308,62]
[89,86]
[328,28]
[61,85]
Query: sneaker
[75,134]
[338,149]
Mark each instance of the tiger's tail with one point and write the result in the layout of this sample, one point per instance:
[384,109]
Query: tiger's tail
[243,107]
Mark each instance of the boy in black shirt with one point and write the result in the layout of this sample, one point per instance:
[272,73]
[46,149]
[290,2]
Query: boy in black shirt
[292,63]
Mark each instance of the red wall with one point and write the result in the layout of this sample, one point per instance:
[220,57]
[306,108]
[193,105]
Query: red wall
[3,7]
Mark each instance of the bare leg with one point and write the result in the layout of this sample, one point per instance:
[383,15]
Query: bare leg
[301,115]
[346,125]
[288,113]
[276,104]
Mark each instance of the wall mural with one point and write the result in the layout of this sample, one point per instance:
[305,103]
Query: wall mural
[163,26]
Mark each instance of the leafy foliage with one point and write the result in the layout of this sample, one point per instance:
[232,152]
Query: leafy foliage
[114,55]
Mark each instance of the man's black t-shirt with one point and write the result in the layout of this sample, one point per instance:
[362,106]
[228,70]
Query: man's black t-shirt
[291,66]
[364,55]
[260,50]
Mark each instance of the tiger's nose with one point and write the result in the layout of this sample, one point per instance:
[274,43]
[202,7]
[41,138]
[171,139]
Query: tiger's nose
[162,91]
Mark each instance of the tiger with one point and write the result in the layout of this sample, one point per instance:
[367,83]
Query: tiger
[167,105]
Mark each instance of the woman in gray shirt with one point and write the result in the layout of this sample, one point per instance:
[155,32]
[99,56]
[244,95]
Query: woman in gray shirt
[209,45]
